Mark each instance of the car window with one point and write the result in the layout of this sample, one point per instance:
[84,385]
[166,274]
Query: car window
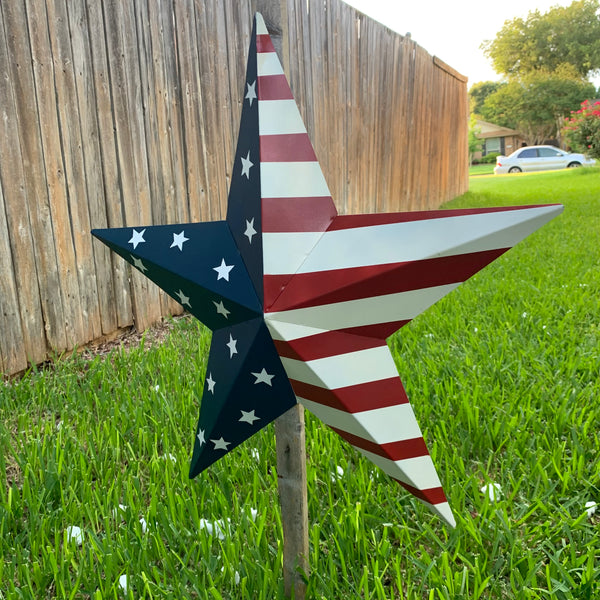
[528,153]
[549,152]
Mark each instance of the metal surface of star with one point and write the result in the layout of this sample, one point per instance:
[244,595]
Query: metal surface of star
[305,315]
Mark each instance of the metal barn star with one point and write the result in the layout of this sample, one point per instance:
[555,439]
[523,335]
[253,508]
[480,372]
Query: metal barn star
[301,300]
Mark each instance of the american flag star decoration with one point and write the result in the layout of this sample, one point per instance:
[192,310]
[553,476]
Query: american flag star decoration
[300,300]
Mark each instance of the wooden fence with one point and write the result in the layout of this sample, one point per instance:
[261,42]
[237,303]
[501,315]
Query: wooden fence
[125,112]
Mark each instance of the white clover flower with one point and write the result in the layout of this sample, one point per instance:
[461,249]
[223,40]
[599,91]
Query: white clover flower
[255,454]
[475,329]
[116,511]
[339,472]
[493,491]
[215,528]
[156,388]
[75,534]
[590,508]
[253,513]
[143,525]
[123,582]
[524,315]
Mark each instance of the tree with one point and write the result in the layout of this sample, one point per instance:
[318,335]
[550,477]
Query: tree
[582,129]
[537,105]
[480,91]
[543,42]
[475,144]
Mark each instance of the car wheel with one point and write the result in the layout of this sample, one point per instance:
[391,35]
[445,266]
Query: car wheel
[516,169]
[573,165]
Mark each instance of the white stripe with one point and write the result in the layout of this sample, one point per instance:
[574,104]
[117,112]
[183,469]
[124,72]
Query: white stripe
[295,254]
[267,63]
[292,179]
[443,510]
[352,368]
[418,472]
[416,240]
[290,331]
[380,426]
[261,28]
[279,117]
[366,311]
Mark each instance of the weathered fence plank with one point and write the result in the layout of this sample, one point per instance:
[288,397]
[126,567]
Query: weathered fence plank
[13,176]
[125,113]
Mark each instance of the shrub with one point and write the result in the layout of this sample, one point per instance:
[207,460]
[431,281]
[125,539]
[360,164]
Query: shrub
[582,129]
[490,158]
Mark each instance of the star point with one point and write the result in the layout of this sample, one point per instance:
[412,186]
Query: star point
[178,240]
[137,238]
[200,437]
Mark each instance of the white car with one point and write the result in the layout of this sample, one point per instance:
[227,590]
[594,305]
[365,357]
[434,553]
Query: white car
[539,158]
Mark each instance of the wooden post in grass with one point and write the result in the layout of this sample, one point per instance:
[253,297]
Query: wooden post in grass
[289,428]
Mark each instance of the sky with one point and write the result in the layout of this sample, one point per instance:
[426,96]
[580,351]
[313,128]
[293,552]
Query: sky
[454,30]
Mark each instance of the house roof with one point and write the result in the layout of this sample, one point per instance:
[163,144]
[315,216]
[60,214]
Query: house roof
[489,130]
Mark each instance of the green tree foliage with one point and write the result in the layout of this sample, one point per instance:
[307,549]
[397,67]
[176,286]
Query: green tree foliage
[537,105]
[543,42]
[582,129]
[480,91]
[475,144]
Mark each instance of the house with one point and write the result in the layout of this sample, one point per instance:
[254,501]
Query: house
[497,139]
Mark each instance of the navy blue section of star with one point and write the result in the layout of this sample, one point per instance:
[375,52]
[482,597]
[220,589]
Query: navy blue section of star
[214,270]
[197,264]
[246,388]
[244,206]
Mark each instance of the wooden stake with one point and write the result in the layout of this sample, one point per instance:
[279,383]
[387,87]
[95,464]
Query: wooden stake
[289,428]
[291,477]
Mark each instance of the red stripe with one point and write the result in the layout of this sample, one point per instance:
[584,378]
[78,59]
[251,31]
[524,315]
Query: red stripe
[342,285]
[380,331]
[400,450]
[274,87]
[355,398]
[432,495]
[352,221]
[264,43]
[325,344]
[295,147]
[297,214]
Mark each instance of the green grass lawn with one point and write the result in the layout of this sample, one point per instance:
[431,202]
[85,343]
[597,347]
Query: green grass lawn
[482,169]
[503,375]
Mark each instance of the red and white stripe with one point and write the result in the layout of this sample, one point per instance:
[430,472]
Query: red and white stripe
[293,188]
[336,287]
